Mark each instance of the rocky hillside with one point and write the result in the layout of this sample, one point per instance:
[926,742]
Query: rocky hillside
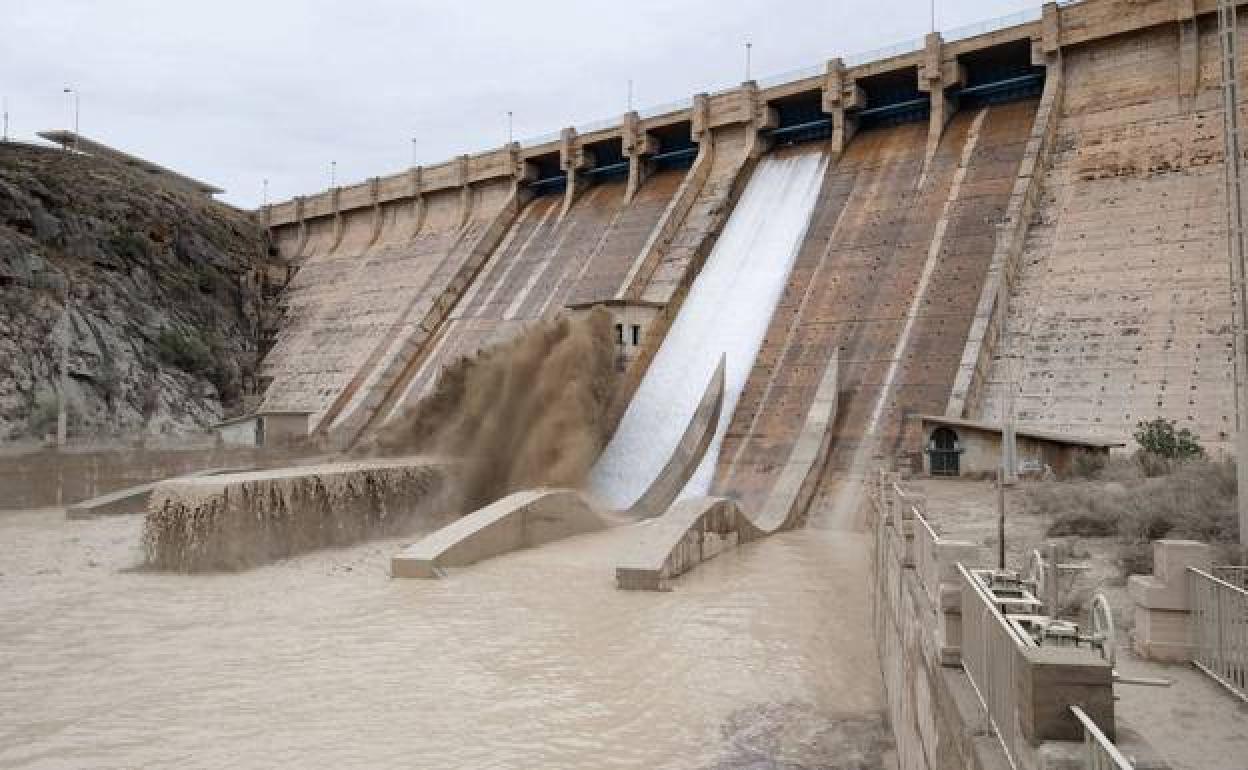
[165,296]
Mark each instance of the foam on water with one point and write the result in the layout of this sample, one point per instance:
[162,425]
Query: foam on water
[727,312]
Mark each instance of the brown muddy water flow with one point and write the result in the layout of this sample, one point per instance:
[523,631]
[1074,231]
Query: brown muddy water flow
[760,658]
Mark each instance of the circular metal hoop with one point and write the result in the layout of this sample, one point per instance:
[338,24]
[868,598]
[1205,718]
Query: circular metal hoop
[1101,618]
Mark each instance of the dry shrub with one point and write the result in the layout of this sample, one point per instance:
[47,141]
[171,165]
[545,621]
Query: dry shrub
[526,413]
[1195,500]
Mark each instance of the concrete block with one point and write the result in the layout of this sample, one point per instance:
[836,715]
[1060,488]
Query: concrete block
[1055,678]
[1162,635]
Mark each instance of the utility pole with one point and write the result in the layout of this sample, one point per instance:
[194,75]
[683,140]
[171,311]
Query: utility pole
[1228,33]
[74,93]
[62,410]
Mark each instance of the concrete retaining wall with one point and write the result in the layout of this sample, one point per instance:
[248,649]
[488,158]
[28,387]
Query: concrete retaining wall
[44,478]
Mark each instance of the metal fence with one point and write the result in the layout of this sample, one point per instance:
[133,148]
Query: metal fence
[992,25]
[1236,576]
[992,654]
[1099,753]
[1219,619]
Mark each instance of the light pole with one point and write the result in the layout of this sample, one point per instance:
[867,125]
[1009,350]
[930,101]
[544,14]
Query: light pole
[74,93]
[62,407]
[333,173]
[264,196]
[509,126]
[6,118]
[413,152]
[1237,248]
[748,46]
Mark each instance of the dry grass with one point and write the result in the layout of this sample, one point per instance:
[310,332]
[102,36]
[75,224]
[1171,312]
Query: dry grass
[1141,499]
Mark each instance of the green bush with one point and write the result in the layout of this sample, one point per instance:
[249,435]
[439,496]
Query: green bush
[185,351]
[1158,437]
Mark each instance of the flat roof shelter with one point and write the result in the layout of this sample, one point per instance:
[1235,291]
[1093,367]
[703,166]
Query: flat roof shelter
[953,446]
[74,141]
[277,428]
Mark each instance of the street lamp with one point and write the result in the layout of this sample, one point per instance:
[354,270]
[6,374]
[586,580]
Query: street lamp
[509,127]
[74,93]
[748,46]
[333,173]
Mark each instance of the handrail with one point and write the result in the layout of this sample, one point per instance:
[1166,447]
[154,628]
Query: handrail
[978,28]
[1219,622]
[1100,752]
[992,656]
[1236,576]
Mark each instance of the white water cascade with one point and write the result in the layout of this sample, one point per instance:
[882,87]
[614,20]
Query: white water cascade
[727,311]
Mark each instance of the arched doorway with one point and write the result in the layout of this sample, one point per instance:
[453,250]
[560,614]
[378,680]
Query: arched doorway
[943,451]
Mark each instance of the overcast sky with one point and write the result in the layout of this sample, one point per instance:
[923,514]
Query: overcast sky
[236,92]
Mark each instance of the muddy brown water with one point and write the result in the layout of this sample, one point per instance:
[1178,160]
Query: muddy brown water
[761,657]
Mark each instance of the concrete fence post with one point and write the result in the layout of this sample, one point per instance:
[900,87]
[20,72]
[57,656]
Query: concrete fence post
[1162,605]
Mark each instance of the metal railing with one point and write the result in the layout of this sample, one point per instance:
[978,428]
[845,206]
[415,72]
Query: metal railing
[1236,576]
[992,654]
[534,141]
[665,108]
[925,559]
[1219,620]
[1099,752]
[992,25]
[887,52]
[790,76]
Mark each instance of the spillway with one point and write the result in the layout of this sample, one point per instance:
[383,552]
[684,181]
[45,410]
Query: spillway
[890,274]
[726,312]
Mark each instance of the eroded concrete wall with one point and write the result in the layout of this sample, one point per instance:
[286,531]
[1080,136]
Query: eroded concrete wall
[1121,311]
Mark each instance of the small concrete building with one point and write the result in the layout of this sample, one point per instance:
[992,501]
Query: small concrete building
[264,429]
[957,447]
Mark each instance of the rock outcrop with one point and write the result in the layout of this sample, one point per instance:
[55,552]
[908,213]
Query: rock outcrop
[166,295]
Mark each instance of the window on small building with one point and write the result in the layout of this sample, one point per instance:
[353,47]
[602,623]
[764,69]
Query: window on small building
[619,333]
[636,334]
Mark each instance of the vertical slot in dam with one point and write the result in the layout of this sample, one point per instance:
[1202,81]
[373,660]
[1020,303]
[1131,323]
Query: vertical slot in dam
[726,312]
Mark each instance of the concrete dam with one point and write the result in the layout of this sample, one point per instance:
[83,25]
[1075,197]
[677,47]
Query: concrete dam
[758,299]
[1051,155]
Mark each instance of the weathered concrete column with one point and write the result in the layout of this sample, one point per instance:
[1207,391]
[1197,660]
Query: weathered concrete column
[573,159]
[465,190]
[762,116]
[700,118]
[841,93]
[303,226]
[638,146]
[335,205]
[1162,610]
[935,75]
[1189,47]
[1050,28]
[416,189]
[374,195]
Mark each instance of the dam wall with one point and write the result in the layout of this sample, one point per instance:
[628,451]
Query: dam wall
[1121,310]
[1094,198]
